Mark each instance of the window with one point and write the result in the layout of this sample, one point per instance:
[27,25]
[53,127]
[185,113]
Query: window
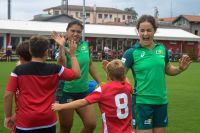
[128,17]
[14,42]
[25,38]
[100,16]
[88,15]
[77,14]
[117,20]
[81,14]
[1,42]
[123,17]
[110,16]
[105,16]
[190,43]
[108,42]
[196,32]
[56,12]
[99,44]
[173,42]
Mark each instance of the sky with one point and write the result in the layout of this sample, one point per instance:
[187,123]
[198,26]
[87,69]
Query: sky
[26,9]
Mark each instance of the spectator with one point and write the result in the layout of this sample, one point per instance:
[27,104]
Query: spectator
[177,54]
[106,52]
[8,53]
[170,54]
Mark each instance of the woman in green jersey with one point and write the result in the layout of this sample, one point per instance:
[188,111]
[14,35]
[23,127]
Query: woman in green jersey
[76,89]
[149,63]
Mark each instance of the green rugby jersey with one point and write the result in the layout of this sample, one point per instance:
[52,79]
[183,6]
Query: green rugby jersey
[148,69]
[83,58]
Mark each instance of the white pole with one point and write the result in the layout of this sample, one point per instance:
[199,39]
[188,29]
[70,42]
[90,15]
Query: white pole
[83,33]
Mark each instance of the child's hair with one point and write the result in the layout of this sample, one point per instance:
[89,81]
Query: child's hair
[147,18]
[116,70]
[22,50]
[38,46]
[75,22]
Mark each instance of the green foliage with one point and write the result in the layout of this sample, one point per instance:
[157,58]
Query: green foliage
[132,11]
[183,92]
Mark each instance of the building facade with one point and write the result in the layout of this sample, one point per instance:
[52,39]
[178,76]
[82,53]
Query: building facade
[190,23]
[94,15]
[117,38]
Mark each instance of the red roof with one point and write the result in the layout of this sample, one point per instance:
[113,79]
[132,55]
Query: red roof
[192,18]
[171,19]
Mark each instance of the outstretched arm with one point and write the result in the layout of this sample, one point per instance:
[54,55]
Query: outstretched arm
[184,63]
[8,100]
[72,105]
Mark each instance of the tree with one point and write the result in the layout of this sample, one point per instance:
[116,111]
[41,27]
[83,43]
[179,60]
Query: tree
[132,11]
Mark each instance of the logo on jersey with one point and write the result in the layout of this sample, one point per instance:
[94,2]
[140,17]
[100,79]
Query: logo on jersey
[83,48]
[142,54]
[148,121]
[123,60]
[166,119]
[159,52]
[134,122]
[69,100]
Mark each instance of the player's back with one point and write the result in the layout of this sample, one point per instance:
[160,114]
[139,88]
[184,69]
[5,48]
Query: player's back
[115,106]
[37,83]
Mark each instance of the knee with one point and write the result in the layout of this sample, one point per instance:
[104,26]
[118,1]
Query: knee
[90,125]
[65,128]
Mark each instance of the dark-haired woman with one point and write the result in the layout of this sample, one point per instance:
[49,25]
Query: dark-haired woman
[149,63]
[76,89]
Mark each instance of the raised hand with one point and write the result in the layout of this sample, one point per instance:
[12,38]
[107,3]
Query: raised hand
[184,62]
[72,47]
[58,38]
[104,64]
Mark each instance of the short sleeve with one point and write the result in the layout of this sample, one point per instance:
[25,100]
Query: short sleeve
[12,82]
[127,58]
[95,96]
[66,74]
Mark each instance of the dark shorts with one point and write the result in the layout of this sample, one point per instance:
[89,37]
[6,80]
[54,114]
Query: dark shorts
[8,53]
[147,116]
[43,130]
[66,97]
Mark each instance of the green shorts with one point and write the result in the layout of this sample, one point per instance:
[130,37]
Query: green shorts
[66,97]
[147,116]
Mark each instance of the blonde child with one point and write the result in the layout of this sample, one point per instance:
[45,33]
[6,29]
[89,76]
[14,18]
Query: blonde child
[113,98]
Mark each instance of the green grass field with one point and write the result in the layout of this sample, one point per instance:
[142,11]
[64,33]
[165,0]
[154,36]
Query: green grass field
[183,92]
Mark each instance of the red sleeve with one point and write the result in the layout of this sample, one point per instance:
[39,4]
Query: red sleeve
[12,83]
[95,96]
[66,74]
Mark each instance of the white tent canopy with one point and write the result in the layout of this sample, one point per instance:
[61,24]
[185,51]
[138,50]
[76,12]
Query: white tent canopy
[91,30]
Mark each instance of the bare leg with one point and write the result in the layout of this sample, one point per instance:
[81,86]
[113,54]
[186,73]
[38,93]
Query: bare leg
[144,131]
[66,120]
[158,130]
[88,116]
